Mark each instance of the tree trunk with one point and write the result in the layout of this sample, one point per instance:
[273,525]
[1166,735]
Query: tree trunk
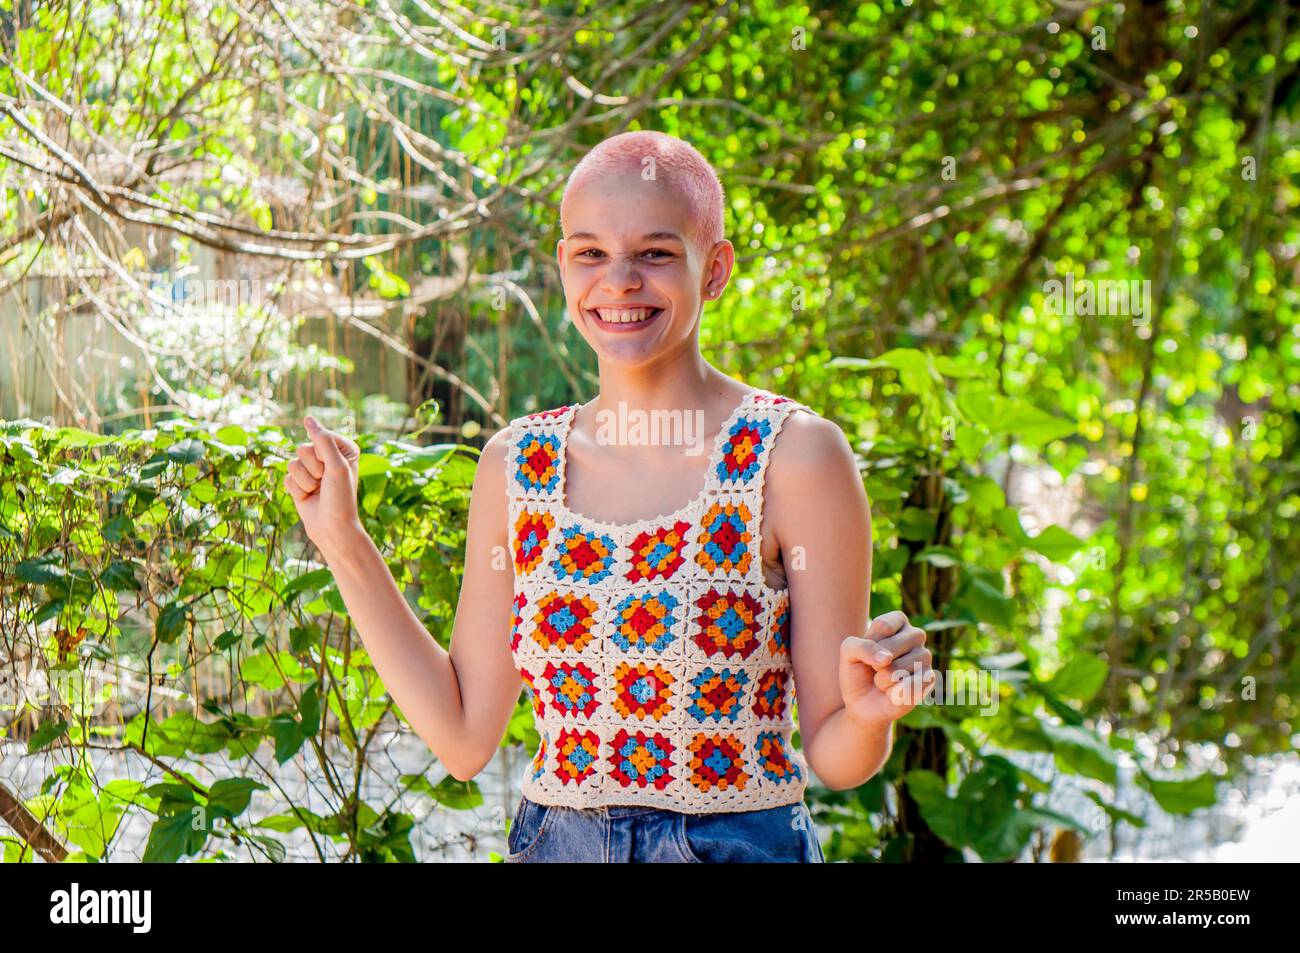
[926,590]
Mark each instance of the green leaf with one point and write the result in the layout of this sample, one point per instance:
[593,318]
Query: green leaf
[986,495]
[309,709]
[289,737]
[916,373]
[1182,797]
[261,670]
[119,528]
[958,367]
[304,637]
[1083,752]
[982,594]
[944,815]
[971,441]
[229,797]
[273,847]
[119,576]
[50,610]
[171,622]
[187,451]
[233,436]
[173,836]
[46,734]
[1007,415]
[1080,678]
[371,463]
[458,795]
[250,588]
[314,580]
[1054,542]
[283,823]
[42,570]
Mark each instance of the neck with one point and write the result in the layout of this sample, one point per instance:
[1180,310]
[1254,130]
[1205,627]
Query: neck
[685,385]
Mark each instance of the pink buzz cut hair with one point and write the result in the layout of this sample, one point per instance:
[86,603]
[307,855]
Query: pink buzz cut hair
[677,163]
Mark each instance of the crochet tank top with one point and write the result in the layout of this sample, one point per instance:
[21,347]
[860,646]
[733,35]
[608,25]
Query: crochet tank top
[655,653]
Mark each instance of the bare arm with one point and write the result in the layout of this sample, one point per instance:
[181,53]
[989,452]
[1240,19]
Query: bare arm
[816,500]
[458,702]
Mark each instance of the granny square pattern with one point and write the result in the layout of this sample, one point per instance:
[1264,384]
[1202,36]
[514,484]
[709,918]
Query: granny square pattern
[655,654]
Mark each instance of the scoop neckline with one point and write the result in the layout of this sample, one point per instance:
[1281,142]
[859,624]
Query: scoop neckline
[653,522]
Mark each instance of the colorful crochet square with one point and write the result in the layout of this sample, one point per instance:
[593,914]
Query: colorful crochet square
[717,695]
[658,553]
[778,641]
[537,463]
[576,753]
[724,538]
[641,759]
[539,759]
[744,445]
[517,620]
[717,762]
[773,759]
[771,400]
[584,556]
[532,536]
[645,622]
[642,691]
[728,624]
[564,620]
[573,688]
[770,699]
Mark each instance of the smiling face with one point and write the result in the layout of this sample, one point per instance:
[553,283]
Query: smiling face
[633,277]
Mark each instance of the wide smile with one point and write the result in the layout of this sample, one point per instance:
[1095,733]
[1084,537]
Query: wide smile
[627,319]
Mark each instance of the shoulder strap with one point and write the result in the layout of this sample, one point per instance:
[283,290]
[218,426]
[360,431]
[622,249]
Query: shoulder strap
[535,454]
[745,445]
[738,476]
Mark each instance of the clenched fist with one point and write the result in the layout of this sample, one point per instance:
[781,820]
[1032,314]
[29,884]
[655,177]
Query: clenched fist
[886,674]
[323,484]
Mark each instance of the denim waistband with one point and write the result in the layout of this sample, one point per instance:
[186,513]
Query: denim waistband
[631,810]
[617,810]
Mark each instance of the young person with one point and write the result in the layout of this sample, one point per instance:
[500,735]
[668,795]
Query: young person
[661,597]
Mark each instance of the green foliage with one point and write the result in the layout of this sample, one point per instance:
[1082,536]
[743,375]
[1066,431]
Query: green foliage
[174,551]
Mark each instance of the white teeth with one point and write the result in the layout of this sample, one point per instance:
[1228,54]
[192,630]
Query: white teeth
[625,315]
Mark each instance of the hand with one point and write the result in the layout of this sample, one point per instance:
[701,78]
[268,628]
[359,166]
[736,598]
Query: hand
[884,675]
[323,484]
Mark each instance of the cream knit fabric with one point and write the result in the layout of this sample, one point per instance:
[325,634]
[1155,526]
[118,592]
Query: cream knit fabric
[656,654]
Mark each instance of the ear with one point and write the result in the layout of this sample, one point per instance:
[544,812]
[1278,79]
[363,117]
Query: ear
[719,264]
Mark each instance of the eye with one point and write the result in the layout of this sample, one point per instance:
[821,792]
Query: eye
[586,250]
[660,251]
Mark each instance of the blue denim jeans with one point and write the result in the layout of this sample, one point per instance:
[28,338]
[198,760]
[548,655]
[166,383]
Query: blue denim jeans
[544,833]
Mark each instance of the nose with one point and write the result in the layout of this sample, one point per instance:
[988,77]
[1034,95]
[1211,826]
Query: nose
[621,275]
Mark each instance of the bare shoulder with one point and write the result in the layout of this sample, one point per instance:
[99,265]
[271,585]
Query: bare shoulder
[809,445]
[497,445]
[490,476]
[812,467]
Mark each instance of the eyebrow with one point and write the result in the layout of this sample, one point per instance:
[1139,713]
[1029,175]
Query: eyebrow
[648,237]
